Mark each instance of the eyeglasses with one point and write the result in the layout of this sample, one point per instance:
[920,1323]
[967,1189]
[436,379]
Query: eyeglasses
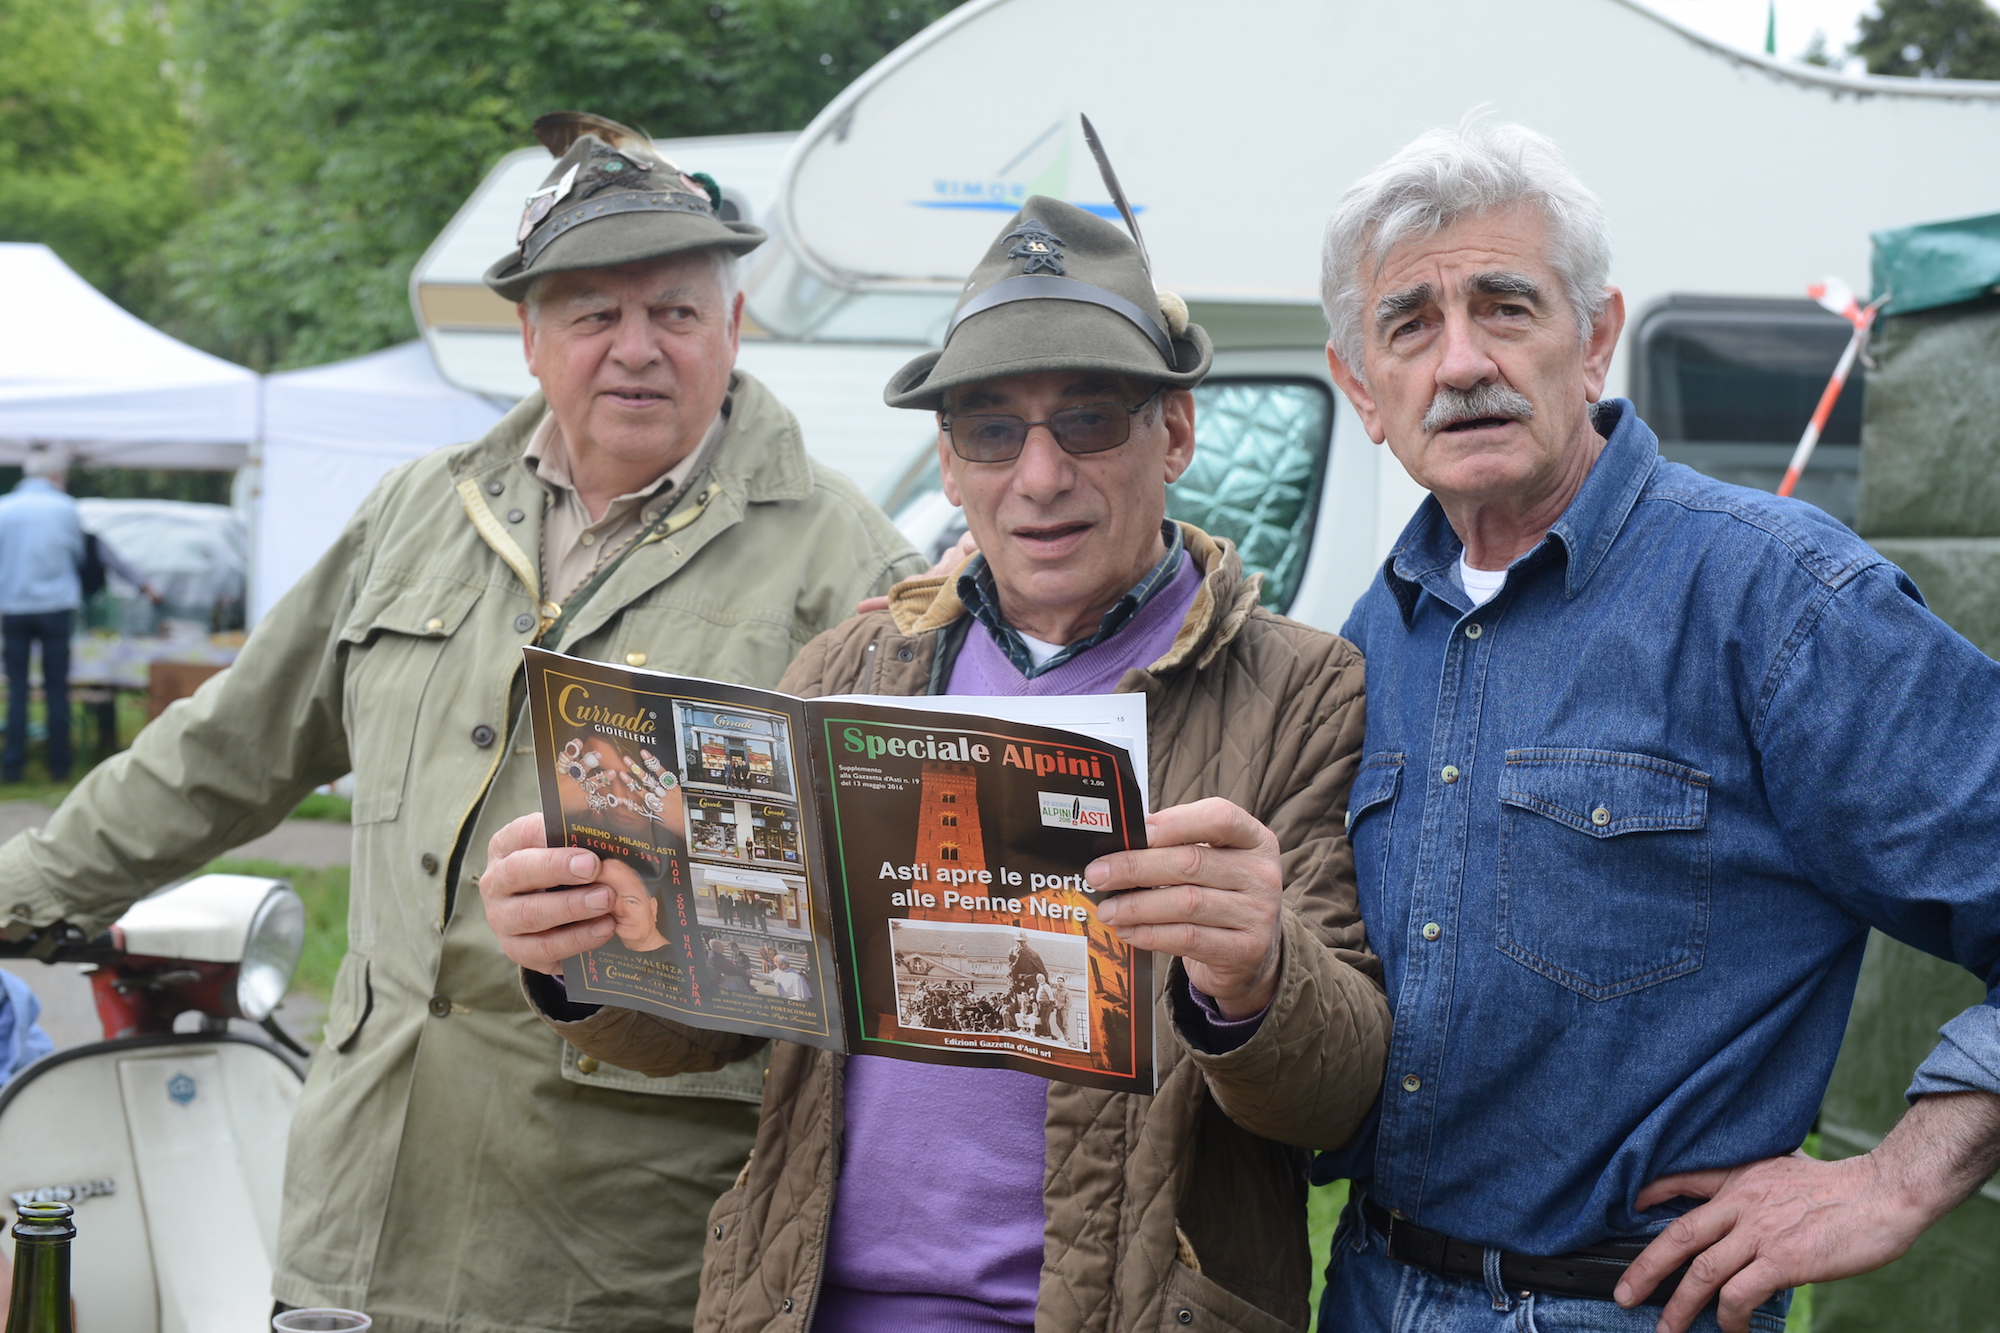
[1087,428]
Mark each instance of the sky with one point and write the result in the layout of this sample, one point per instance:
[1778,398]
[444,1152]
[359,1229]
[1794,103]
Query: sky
[1740,23]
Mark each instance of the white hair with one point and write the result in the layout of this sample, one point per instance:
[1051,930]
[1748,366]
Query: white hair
[1443,177]
[726,277]
[46,461]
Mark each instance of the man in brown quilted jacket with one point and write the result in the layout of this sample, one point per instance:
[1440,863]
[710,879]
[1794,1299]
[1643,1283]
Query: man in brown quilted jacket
[886,1194]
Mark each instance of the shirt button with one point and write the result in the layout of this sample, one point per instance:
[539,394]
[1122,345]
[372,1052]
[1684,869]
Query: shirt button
[787,1306]
[1184,1315]
[433,625]
[495,487]
[1432,930]
[515,516]
[1449,773]
[440,1006]
[905,655]
[588,539]
[429,863]
[635,659]
[718,1233]
[1600,816]
[586,1064]
[482,735]
[1411,1083]
[524,622]
[1473,631]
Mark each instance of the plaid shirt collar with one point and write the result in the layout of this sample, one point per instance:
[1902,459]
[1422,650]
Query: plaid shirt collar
[982,601]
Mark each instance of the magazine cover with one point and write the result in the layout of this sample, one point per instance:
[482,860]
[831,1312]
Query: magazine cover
[868,875]
[964,931]
[696,786]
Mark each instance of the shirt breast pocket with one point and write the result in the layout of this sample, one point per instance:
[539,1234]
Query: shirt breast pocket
[394,640]
[1371,814]
[1604,868]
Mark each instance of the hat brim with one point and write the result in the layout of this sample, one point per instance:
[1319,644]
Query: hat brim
[1029,337]
[622,238]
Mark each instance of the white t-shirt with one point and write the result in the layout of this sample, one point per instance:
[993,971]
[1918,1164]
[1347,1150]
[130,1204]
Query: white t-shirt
[1481,585]
[1038,651]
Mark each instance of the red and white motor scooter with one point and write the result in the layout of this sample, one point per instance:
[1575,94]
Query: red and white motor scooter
[171,1146]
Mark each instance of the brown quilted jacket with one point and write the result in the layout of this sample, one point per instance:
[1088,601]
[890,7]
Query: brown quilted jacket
[1181,1210]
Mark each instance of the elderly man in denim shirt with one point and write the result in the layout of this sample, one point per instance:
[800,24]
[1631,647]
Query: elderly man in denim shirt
[1647,755]
[41,549]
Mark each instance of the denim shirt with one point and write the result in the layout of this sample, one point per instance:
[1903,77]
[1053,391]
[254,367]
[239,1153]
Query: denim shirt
[1620,834]
[41,545]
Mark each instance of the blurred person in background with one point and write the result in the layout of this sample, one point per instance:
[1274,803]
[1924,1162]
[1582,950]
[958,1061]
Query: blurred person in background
[41,558]
[453,1165]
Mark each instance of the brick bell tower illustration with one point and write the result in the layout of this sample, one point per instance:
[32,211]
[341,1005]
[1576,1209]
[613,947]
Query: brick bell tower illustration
[948,832]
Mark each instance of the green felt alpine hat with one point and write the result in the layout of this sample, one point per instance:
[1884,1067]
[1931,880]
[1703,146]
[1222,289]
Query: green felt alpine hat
[611,199]
[1059,289]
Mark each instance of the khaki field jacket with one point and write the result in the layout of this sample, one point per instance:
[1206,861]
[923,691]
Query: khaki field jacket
[1182,1210]
[451,1167]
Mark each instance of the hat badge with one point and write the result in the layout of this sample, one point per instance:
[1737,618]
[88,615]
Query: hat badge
[1037,249]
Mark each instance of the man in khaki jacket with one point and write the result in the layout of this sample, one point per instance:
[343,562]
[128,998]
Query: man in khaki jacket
[453,1165]
[886,1194]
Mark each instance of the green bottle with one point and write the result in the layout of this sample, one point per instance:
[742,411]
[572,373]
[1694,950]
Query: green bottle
[41,1270]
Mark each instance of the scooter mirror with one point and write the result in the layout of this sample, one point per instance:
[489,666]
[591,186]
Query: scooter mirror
[246,919]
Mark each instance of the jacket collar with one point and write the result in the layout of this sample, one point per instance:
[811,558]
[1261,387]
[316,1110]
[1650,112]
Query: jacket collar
[1225,600]
[1428,551]
[761,458]
[772,465]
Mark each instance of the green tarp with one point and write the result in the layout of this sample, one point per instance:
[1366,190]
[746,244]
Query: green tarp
[1930,501]
[1938,263]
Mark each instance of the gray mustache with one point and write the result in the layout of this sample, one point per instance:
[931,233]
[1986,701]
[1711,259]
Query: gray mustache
[1481,400]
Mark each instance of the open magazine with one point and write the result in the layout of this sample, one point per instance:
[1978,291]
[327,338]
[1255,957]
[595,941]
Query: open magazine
[882,876]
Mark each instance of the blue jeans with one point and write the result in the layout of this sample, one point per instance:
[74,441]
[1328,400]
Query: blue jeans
[20,633]
[1368,1292]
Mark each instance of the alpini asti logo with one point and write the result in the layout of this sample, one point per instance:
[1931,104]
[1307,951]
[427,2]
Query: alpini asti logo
[1060,810]
[573,706]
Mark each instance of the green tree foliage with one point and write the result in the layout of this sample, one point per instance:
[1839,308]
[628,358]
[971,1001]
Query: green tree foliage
[337,137]
[93,143]
[1931,39]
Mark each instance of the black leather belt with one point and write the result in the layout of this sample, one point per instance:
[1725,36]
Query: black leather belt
[1591,1272]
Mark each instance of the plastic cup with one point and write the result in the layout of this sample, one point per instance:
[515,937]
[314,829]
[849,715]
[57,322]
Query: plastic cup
[321,1321]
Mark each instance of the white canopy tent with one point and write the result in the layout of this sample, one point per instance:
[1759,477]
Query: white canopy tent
[77,369]
[332,432]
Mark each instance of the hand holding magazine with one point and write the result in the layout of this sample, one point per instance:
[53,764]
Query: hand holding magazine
[895,877]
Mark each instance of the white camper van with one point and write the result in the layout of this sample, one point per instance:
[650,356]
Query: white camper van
[1732,182]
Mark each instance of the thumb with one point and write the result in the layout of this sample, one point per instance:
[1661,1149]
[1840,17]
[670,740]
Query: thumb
[1686,1185]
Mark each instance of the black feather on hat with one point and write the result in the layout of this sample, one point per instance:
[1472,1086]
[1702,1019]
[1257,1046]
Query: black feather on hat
[1060,289]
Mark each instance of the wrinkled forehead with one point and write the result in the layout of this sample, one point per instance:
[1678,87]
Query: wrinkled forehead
[1460,257]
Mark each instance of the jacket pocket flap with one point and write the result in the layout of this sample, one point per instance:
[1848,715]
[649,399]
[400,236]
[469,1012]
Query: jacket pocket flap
[350,1004]
[1604,792]
[1378,780]
[738,1081]
[431,609]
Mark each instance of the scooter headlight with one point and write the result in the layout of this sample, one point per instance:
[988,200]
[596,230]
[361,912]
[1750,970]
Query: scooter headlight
[271,952]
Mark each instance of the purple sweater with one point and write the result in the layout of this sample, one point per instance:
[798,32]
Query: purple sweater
[937,1215]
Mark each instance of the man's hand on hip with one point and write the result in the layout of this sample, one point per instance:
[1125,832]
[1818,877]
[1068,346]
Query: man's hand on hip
[1209,888]
[536,927]
[1786,1221]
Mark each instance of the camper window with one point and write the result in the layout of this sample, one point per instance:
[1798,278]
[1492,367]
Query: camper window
[1729,383]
